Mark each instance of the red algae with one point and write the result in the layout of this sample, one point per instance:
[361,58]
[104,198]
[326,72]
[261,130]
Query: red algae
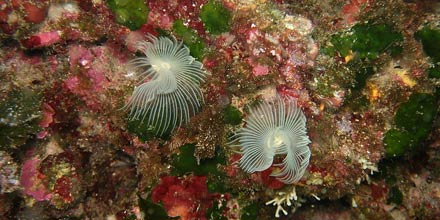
[32,181]
[188,197]
[34,14]
[352,10]
[163,14]
[267,180]
[42,39]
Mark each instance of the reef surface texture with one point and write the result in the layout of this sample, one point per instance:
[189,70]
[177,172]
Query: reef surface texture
[363,78]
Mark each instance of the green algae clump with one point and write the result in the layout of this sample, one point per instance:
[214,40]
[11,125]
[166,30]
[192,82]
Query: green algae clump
[250,212]
[434,72]
[152,210]
[417,113]
[190,38]
[144,131]
[413,121]
[216,211]
[215,17]
[185,162]
[367,41]
[430,39]
[132,14]
[397,142]
[395,196]
[232,115]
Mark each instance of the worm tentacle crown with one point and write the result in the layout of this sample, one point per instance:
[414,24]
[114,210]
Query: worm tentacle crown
[277,128]
[169,84]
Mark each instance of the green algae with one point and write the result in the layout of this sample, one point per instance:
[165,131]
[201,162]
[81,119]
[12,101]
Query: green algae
[356,99]
[190,38]
[20,113]
[215,17]
[216,184]
[417,113]
[366,41]
[413,121]
[232,115]
[185,162]
[434,72]
[145,131]
[361,76]
[152,210]
[430,39]
[132,14]
[216,211]
[397,142]
[360,47]
[395,196]
[249,212]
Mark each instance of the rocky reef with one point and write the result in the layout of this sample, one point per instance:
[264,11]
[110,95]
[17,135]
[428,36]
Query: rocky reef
[365,74]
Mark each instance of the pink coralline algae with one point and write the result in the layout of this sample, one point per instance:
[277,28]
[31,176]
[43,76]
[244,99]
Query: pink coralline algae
[185,197]
[32,180]
[43,39]
[260,70]
[61,177]
[90,68]
[163,14]
[46,120]
[35,12]
[352,9]
[19,13]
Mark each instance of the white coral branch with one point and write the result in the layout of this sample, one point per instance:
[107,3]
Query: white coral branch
[283,198]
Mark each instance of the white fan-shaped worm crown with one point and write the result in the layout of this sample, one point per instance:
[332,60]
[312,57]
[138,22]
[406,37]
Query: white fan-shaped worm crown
[169,91]
[277,128]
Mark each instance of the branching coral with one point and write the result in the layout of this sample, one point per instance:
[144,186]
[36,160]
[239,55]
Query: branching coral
[275,129]
[170,78]
[286,198]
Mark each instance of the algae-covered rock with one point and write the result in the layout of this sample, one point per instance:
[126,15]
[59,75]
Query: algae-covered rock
[367,41]
[19,117]
[145,131]
[153,210]
[232,115]
[430,39]
[395,196]
[434,72]
[215,17]
[132,14]
[397,143]
[250,212]
[417,113]
[413,121]
[185,162]
[190,38]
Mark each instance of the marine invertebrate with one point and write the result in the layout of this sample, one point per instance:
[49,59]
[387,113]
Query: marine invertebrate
[288,198]
[277,128]
[169,91]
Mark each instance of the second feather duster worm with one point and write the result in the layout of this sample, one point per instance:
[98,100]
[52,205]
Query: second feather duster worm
[277,128]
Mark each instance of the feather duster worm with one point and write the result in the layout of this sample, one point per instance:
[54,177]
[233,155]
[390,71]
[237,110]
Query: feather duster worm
[277,128]
[169,91]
